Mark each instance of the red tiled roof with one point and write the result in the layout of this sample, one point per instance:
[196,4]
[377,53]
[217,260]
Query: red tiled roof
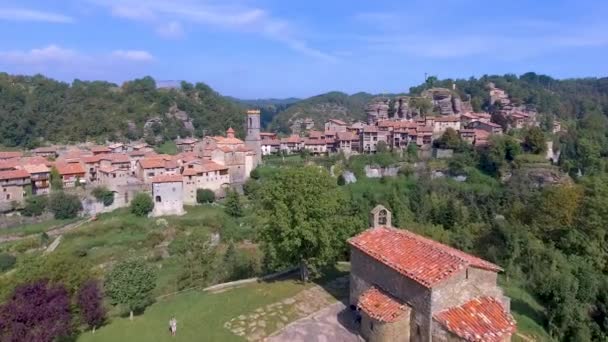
[293,139]
[381,306]
[339,122]
[271,142]
[10,154]
[480,319]
[370,129]
[69,169]
[35,168]
[314,142]
[14,174]
[426,261]
[347,136]
[98,149]
[152,163]
[167,179]
[315,135]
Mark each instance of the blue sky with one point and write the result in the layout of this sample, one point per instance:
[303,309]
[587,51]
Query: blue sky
[281,48]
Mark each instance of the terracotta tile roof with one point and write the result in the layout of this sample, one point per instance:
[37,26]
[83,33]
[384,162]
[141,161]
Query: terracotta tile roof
[271,142]
[99,149]
[314,142]
[370,129]
[426,261]
[470,131]
[118,158]
[14,174]
[339,122]
[171,164]
[347,136]
[69,168]
[315,134]
[381,306]
[136,153]
[116,145]
[10,154]
[186,141]
[447,118]
[167,179]
[45,150]
[227,140]
[9,164]
[209,166]
[293,139]
[106,169]
[480,319]
[152,163]
[387,123]
[35,168]
[329,133]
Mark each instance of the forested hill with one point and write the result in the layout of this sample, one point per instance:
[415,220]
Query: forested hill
[319,108]
[269,108]
[36,109]
[566,99]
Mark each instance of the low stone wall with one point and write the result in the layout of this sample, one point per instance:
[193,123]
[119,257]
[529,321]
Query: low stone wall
[378,172]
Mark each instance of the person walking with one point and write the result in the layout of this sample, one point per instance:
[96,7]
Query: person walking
[173,326]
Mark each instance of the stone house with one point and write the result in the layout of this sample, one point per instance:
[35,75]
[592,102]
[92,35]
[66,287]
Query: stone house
[40,176]
[117,148]
[270,146]
[268,136]
[71,174]
[315,146]
[489,127]
[292,144]
[150,167]
[186,145]
[167,193]
[100,150]
[347,142]
[467,135]
[335,125]
[204,175]
[411,288]
[13,185]
[45,152]
[442,123]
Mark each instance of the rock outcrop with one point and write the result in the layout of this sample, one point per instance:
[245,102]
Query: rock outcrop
[444,100]
[377,109]
[182,116]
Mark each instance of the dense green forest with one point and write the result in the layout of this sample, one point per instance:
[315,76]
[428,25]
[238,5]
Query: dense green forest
[36,109]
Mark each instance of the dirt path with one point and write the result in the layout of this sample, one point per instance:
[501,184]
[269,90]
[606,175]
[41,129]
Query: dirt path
[52,233]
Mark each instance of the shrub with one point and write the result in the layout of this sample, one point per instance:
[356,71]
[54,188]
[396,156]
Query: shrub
[154,239]
[26,245]
[7,261]
[103,195]
[341,180]
[250,187]
[254,174]
[81,252]
[233,206]
[142,204]
[35,205]
[64,206]
[205,196]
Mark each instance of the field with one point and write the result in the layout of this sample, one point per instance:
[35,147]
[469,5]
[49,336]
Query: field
[202,316]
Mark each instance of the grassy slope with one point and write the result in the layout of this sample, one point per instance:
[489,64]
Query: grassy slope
[35,228]
[527,311]
[168,147]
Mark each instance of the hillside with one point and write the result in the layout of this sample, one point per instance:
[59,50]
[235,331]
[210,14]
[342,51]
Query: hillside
[269,108]
[36,109]
[319,108]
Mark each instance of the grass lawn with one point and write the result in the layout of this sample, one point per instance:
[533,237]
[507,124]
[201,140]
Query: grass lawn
[527,311]
[168,147]
[201,316]
[36,228]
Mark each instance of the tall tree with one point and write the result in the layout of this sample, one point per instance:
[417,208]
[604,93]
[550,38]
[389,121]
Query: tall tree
[90,303]
[130,283]
[302,219]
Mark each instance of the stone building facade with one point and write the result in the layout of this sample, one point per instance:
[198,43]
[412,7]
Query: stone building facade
[167,194]
[253,140]
[410,288]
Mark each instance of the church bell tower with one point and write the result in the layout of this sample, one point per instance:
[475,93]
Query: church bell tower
[253,140]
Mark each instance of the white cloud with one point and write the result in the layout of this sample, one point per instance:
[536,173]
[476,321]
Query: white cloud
[225,16]
[48,54]
[133,55]
[171,30]
[21,14]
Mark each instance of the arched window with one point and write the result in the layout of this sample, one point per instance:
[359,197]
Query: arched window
[382,217]
[250,122]
[158,199]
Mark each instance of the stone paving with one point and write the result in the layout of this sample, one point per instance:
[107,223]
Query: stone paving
[335,323]
[257,325]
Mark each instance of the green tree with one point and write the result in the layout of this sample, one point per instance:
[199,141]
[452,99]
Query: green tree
[103,195]
[198,260]
[64,206]
[302,219]
[130,283]
[35,205]
[142,204]
[232,205]
[534,141]
[382,147]
[205,196]
[450,140]
[56,181]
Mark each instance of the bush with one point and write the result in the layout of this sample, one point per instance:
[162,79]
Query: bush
[81,252]
[341,180]
[35,205]
[254,174]
[103,195]
[7,261]
[142,204]
[154,239]
[64,206]
[26,245]
[233,206]
[250,187]
[205,196]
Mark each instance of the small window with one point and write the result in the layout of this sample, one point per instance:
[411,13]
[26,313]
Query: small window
[371,326]
[8,196]
[382,217]
[158,199]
